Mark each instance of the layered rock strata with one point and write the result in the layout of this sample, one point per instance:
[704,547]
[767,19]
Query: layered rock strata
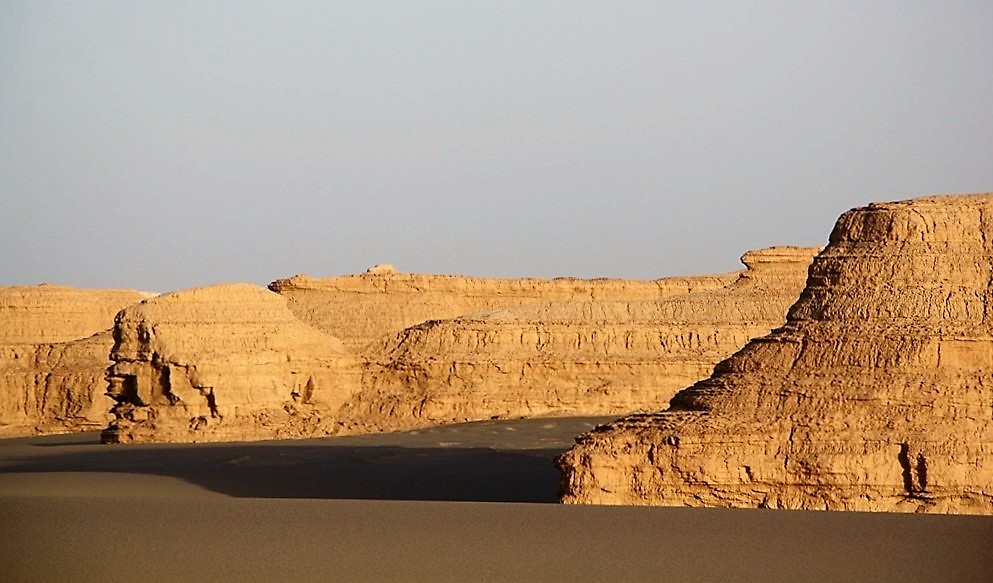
[876,395]
[224,363]
[367,309]
[54,342]
[578,357]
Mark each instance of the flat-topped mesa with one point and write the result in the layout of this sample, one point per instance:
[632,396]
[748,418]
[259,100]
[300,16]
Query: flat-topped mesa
[875,395]
[364,310]
[220,363]
[54,342]
[579,357]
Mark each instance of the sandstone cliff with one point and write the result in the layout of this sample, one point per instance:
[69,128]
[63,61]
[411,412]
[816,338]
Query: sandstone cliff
[364,310]
[54,342]
[588,356]
[875,395]
[226,362]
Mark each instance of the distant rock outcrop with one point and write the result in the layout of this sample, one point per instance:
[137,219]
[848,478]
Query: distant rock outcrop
[364,310]
[581,356]
[876,395]
[224,363]
[54,342]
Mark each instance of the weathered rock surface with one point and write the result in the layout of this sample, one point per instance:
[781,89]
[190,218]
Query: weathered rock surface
[224,363]
[876,395]
[365,310]
[54,342]
[576,357]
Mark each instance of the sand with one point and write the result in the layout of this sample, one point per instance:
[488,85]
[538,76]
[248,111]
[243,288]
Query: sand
[458,503]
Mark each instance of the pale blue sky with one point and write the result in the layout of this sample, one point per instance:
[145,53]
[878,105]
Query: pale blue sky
[160,145]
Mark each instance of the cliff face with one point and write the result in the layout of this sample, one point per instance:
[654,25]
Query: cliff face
[875,395]
[575,357]
[54,342]
[364,310]
[226,362]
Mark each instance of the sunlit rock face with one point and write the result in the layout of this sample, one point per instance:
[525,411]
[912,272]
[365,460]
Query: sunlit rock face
[54,342]
[225,362]
[877,394]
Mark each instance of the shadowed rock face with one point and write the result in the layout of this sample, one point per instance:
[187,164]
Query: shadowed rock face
[575,357]
[877,394]
[54,342]
[226,362]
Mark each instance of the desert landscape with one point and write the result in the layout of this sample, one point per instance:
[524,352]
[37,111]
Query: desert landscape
[451,411]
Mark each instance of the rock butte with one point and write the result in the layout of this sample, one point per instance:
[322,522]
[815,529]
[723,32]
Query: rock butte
[224,363]
[54,342]
[876,395]
[235,363]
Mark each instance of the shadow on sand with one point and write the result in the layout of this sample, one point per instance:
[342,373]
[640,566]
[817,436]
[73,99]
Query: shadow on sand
[483,461]
[313,470]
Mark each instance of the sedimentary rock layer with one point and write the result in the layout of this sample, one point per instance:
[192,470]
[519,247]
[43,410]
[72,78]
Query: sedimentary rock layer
[226,362]
[54,342]
[576,357]
[364,310]
[875,395]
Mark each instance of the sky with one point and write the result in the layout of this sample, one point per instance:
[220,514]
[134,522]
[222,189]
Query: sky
[160,145]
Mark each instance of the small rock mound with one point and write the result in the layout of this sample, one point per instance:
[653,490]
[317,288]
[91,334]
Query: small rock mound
[381,269]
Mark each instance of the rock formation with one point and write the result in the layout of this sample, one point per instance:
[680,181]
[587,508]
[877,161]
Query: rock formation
[576,357]
[54,342]
[224,363]
[364,310]
[233,362]
[876,395]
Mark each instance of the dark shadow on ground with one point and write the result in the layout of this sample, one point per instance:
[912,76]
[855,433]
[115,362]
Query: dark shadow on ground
[315,471]
[486,461]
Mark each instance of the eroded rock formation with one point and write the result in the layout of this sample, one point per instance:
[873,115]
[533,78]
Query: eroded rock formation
[580,356]
[876,395]
[234,362]
[226,362]
[54,342]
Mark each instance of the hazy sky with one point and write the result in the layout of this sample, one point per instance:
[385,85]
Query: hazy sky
[160,145]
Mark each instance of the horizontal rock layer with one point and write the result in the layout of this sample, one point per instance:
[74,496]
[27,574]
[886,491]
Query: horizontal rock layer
[362,310]
[578,357]
[54,342]
[876,395]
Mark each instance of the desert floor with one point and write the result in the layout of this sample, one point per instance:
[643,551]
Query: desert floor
[472,502]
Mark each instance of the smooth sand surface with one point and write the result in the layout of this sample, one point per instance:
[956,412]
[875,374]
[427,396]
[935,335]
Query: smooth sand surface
[459,503]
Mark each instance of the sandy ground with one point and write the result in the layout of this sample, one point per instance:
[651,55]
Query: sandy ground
[473,502]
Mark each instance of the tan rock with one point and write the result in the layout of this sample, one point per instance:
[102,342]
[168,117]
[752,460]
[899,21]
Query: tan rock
[576,357]
[54,342]
[365,310]
[876,394]
[224,363]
